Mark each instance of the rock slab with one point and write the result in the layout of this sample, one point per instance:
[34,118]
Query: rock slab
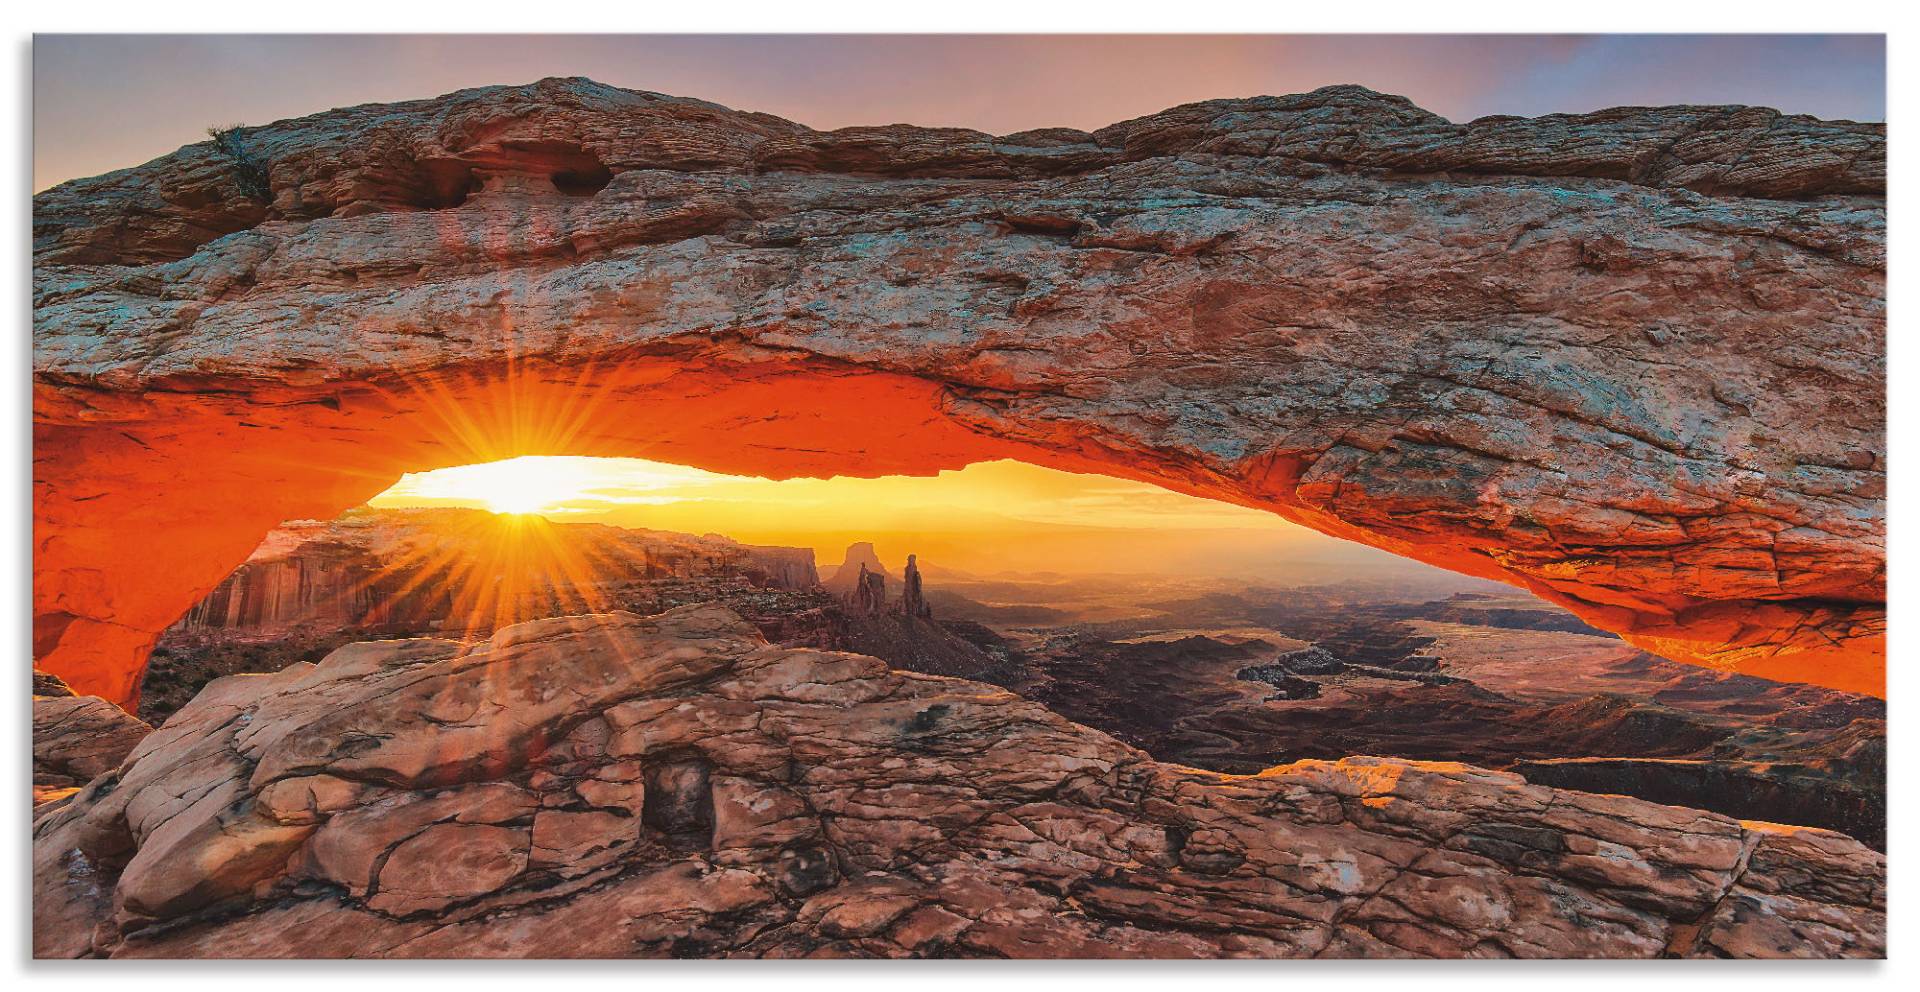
[76,738]
[620,786]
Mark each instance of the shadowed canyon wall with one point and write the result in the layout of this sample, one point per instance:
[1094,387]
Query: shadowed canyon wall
[1632,361]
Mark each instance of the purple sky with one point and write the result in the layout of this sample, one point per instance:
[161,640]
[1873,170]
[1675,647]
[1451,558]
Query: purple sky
[103,102]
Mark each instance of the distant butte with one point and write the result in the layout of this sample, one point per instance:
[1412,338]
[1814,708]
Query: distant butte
[1632,361]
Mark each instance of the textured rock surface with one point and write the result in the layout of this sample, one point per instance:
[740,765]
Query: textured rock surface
[76,738]
[615,786]
[49,684]
[1631,360]
[913,600]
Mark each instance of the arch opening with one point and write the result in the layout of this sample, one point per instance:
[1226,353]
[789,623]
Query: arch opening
[1206,634]
[109,480]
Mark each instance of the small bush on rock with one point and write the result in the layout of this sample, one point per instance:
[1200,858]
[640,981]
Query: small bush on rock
[251,172]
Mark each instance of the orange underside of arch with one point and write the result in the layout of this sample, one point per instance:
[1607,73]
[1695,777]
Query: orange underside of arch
[143,503]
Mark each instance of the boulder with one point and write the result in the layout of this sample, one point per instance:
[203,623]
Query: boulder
[75,739]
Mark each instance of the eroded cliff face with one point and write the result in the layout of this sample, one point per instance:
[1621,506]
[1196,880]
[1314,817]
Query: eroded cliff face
[1632,361]
[315,585]
[417,570]
[616,786]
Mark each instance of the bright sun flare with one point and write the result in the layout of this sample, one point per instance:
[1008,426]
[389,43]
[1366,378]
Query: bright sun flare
[517,485]
[535,484]
[508,488]
[523,496]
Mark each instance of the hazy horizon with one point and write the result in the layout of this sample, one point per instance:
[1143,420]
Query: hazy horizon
[988,518]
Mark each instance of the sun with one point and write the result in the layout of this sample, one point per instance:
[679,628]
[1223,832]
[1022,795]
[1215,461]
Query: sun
[540,484]
[522,496]
[509,488]
[516,485]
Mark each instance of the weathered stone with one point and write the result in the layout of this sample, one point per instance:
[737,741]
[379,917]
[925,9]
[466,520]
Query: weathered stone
[808,803]
[49,684]
[752,818]
[351,845]
[215,847]
[913,600]
[567,838]
[76,738]
[447,863]
[1633,361]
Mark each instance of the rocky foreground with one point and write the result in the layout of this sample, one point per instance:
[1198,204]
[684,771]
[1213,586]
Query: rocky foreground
[76,738]
[617,786]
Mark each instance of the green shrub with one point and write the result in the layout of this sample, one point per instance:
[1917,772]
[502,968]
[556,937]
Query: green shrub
[250,172]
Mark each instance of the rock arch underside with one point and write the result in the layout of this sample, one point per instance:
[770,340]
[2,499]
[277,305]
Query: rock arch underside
[1632,361]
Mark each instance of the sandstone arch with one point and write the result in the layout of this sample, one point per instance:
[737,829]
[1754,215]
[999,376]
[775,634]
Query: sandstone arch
[1631,360]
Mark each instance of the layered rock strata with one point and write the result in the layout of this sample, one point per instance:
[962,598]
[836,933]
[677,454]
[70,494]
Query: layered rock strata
[414,569]
[913,600]
[612,786]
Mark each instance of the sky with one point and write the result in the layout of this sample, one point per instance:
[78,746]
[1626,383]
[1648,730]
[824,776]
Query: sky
[104,102]
[987,518]
[570,486]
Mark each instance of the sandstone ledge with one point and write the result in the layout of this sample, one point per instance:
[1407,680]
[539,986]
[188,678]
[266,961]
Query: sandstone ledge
[618,786]
[76,739]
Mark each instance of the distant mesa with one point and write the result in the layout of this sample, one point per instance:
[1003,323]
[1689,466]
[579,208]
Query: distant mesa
[845,580]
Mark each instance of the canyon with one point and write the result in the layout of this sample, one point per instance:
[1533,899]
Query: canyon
[312,586]
[1228,675]
[1357,680]
[1123,765]
[1630,361]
